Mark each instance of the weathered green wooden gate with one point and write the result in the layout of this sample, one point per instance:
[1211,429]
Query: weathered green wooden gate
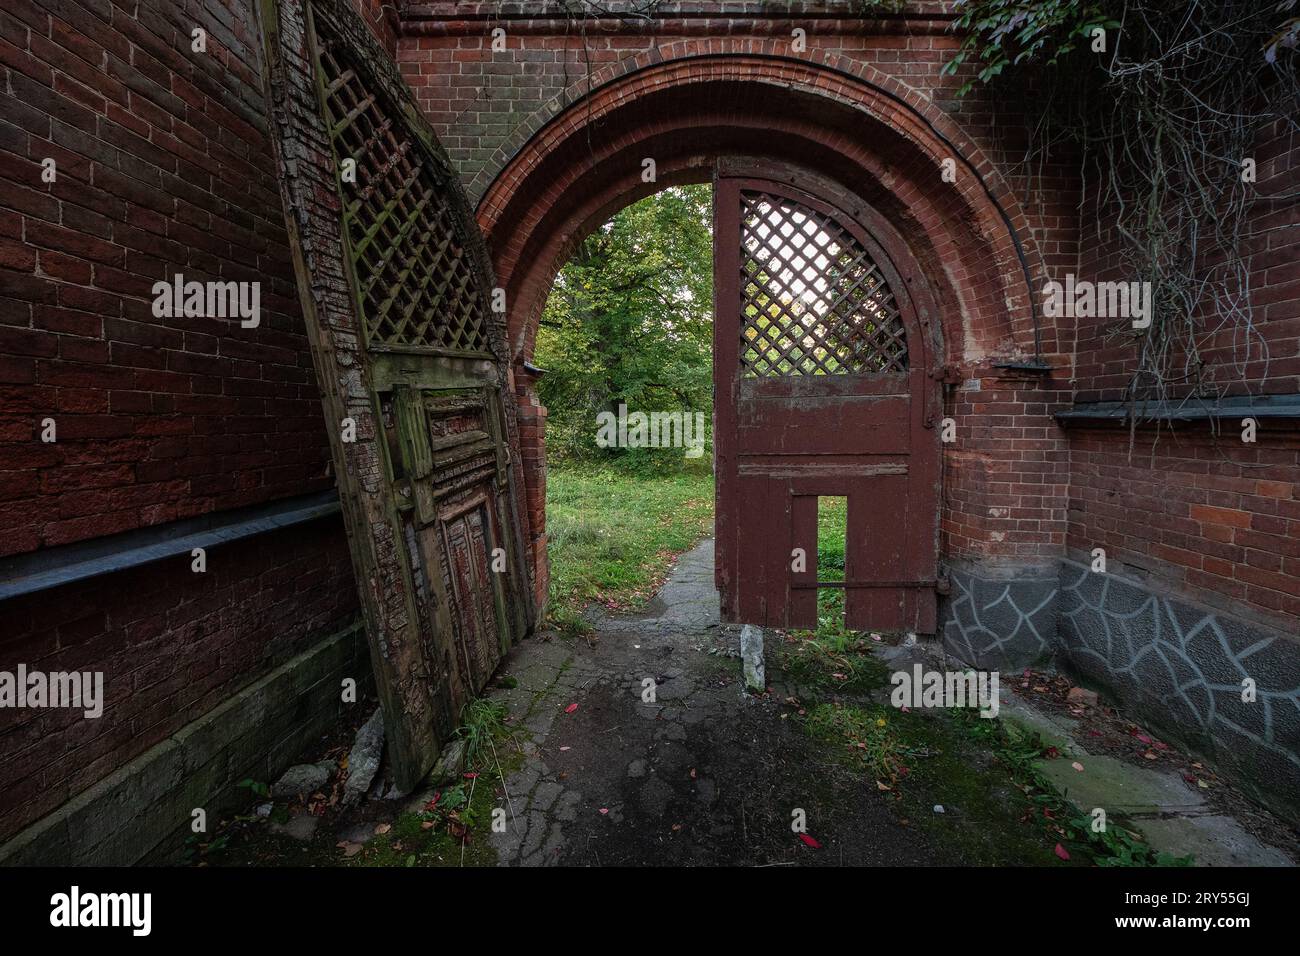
[396,289]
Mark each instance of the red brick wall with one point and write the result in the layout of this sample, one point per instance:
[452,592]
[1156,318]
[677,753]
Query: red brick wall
[1213,518]
[172,644]
[1006,476]
[163,167]
[1007,473]
[382,16]
[1216,519]
[1272,244]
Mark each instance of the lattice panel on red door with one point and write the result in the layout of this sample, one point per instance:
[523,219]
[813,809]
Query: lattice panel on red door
[414,278]
[812,300]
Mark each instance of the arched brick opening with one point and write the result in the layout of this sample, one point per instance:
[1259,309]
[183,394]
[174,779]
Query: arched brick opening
[970,246]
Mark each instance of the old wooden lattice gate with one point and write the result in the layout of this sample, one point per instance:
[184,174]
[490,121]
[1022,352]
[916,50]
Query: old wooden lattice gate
[395,284]
[821,363]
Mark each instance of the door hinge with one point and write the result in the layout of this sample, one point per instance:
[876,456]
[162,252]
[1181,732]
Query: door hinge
[948,374]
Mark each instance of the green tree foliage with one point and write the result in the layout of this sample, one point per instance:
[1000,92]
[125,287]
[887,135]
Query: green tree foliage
[630,320]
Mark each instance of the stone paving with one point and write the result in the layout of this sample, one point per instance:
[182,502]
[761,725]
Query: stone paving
[701,773]
[704,774]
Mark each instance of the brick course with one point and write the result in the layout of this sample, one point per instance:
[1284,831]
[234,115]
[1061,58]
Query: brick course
[172,644]
[165,165]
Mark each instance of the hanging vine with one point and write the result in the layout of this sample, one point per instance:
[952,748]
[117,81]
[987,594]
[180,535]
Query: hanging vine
[1166,116]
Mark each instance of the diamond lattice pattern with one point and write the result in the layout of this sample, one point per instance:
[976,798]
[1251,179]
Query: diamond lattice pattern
[414,276]
[812,300]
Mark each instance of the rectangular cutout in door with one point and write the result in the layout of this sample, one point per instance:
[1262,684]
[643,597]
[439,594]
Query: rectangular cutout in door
[832,556]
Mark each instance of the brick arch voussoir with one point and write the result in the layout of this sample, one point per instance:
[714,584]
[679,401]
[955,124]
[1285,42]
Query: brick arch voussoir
[984,201]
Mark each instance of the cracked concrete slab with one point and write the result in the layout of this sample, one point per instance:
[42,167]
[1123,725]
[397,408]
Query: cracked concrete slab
[705,774]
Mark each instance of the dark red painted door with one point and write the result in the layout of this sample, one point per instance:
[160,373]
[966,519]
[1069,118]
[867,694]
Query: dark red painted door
[821,365]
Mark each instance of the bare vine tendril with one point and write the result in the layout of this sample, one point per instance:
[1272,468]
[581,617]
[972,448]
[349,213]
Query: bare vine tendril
[1166,121]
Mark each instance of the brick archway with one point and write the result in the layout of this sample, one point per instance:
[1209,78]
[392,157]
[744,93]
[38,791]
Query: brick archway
[970,245]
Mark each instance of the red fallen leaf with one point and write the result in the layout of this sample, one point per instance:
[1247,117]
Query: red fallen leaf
[1062,852]
[471,775]
[1094,733]
[810,841]
[604,810]
[571,708]
[1051,753]
[1143,738]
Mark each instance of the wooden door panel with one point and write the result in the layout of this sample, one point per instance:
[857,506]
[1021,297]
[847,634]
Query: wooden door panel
[395,287]
[822,389]
[830,424]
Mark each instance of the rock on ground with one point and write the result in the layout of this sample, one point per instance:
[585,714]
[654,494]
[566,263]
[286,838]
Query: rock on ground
[363,760]
[302,780]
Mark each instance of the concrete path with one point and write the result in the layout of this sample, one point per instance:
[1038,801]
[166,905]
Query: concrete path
[637,746]
[702,774]
[1172,816]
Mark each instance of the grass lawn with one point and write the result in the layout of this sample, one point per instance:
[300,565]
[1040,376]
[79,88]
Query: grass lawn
[614,535]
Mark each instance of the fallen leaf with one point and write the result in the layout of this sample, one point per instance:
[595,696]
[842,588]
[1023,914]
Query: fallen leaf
[809,841]
[563,749]
[1062,852]
[1051,753]
[383,828]
[1077,766]
[604,810]
[1151,755]
[426,825]
[571,708]
[883,786]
